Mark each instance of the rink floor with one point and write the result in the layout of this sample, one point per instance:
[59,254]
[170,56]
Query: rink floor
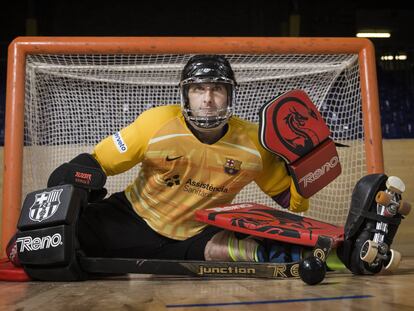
[339,291]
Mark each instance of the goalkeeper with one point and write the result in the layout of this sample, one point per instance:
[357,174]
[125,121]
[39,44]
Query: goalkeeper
[192,157]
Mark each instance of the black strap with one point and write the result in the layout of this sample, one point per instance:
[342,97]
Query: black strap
[387,220]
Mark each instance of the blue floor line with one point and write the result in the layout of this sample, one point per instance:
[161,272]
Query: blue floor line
[223,304]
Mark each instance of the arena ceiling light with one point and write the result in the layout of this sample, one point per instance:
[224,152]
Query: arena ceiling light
[394,57]
[401,57]
[373,34]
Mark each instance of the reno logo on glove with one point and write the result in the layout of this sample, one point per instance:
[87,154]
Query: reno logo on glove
[45,205]
[29,243]
[319,172]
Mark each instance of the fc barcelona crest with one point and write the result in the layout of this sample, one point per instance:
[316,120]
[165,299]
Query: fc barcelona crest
[45,205]
[232,166]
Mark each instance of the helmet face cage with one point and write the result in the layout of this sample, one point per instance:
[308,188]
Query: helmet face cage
[221,116]
[207,69]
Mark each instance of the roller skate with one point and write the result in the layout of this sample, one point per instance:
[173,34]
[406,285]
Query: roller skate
[376,212]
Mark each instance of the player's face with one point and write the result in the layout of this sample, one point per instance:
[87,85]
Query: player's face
[207,99]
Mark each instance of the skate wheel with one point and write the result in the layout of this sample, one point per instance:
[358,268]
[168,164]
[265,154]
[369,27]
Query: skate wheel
[383,198]
[395,184]
[369,251]
[394,261]
[405,208]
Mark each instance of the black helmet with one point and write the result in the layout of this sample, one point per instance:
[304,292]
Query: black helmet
[207,69]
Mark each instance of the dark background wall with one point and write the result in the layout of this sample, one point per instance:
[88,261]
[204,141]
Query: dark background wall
[305,18]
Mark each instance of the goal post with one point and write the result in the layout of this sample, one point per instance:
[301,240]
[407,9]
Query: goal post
[64,94]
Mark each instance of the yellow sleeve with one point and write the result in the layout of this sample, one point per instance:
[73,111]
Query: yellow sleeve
[297,202]
[275,179]
[125,149]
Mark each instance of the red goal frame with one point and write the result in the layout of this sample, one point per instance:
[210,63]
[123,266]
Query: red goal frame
[23,46]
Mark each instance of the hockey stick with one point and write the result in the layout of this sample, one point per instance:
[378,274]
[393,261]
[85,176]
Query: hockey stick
[202,268]
[189,267]
[113,266]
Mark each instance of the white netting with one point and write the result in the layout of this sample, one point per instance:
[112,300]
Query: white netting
[74,101]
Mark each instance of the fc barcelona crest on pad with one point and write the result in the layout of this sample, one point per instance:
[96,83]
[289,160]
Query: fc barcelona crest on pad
[45,205]
[232,167]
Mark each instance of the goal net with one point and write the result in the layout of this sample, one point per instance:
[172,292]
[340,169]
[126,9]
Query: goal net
[74,100]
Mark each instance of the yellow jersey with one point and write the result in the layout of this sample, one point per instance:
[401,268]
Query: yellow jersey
[180,175]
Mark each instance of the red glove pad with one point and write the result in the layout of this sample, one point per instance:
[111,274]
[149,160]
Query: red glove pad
[292,127]
[11,268]
[12,253]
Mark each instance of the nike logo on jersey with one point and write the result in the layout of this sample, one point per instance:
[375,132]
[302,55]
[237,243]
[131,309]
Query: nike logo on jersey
[173,158]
